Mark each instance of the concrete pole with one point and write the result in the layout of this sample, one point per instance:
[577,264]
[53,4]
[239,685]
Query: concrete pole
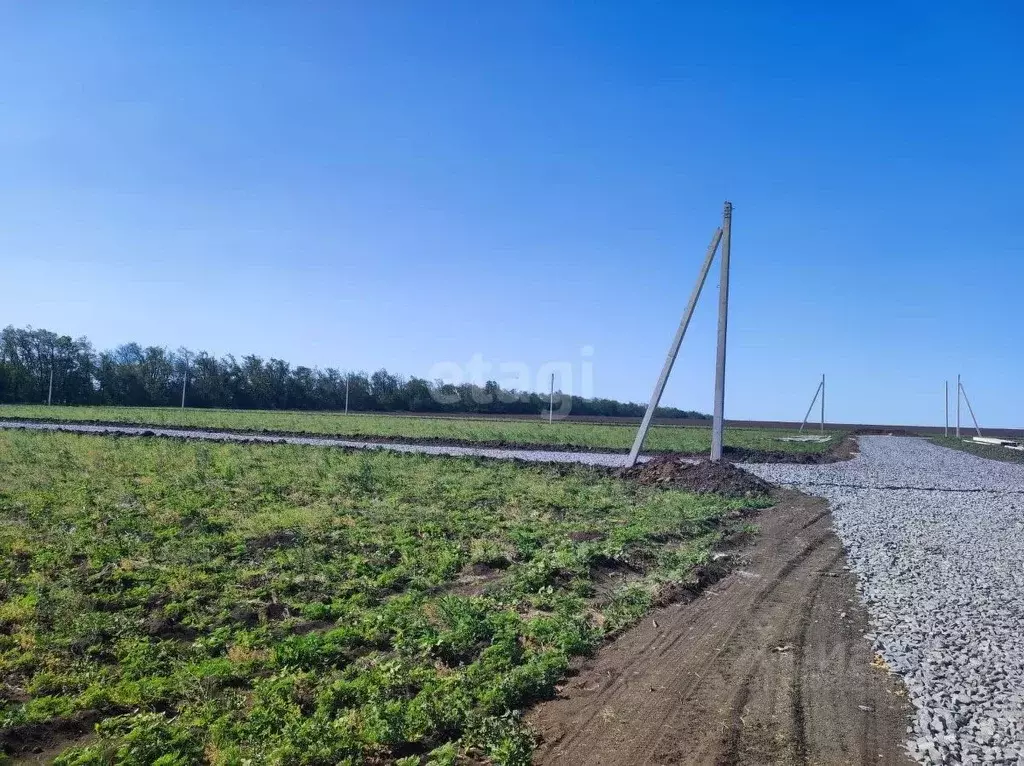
[810,407]
[958,390]
[970,409]
[718,426]
[673,349]
[49,395]
[823,402]
[184,383]
[945,430]
[551,401]
[346,393]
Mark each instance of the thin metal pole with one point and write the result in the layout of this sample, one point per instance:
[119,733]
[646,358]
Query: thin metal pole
[958,389]
[184,382]
[718,426]
[945,431]
[49,395]
[823,402]
[673,349]
[551,401]
[810,406]
[970,409]
[346,393]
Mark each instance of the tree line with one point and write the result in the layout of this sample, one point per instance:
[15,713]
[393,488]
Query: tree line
[136,376]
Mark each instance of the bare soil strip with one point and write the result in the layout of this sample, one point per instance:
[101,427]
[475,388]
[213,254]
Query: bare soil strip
[769,666]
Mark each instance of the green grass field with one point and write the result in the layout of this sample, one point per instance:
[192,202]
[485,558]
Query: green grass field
[991,452]
[266,604]
[525,432]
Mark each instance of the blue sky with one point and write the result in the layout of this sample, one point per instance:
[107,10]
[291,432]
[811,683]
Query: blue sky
[404,184]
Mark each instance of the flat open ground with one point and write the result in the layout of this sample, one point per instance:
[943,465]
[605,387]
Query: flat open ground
[285,604]
[936,537]
[225,601]
[770,666]
[773,666]
[615,437]
[990,451]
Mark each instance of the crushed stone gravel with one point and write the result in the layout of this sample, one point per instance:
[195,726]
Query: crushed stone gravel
[936,537]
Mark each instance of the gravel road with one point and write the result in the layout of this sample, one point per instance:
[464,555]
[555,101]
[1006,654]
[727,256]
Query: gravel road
[532,455]
[937,539]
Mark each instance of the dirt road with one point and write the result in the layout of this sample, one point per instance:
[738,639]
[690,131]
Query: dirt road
[770,666]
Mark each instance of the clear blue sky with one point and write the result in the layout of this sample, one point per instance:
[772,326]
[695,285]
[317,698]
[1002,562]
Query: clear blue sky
[401,184]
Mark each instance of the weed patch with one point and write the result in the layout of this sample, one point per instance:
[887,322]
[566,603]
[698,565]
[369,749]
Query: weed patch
[742,444]
[228,603]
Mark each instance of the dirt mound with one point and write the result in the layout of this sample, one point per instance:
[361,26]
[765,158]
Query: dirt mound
[721,478]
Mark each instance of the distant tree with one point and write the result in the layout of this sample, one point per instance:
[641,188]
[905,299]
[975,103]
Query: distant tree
[131,375]
[418,396]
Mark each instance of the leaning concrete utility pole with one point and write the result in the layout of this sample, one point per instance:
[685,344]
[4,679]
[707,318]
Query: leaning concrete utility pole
[970,408]
[718,426]
[673,349]
[49,394]
[819,390]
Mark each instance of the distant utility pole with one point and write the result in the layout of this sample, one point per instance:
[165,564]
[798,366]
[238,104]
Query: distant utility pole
[958,390]
[718,426]
[551,401]
[184,382]
[823,402]
[347,376]
[945,430]
[49,394]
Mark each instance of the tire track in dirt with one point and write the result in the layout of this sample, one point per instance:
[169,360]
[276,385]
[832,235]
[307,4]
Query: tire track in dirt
[710,646]
[769,666]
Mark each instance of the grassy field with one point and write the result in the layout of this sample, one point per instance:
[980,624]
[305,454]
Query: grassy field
[981,450]
[267,604]
[528,432]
